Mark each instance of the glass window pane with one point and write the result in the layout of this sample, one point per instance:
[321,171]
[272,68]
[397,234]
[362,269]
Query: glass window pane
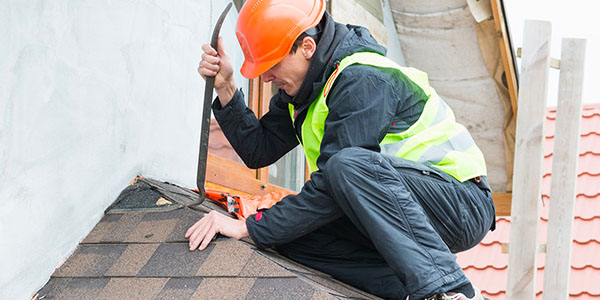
[288,172]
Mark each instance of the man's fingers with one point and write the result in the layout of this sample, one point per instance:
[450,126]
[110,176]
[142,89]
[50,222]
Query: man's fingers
[210,67]
[210,59]
[198,235]
[210,233]
[201,231]
[190,230]
[210,63]
[209,50]
[205,72]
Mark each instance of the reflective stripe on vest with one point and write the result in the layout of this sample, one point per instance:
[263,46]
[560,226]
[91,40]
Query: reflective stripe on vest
[435,139]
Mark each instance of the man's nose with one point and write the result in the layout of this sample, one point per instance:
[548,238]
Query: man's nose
[267,76]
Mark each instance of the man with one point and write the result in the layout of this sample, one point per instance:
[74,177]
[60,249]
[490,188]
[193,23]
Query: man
[397,186]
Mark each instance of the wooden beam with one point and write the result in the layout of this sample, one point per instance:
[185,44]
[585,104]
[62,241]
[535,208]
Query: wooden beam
[554,62]
[564,170]
[224,172]
[254,96]
[502,202]
[264,99]
[529,147]
[505,52]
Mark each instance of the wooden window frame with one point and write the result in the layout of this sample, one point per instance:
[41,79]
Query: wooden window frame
[233,176]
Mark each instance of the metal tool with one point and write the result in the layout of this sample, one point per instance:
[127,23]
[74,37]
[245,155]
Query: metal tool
[205,125]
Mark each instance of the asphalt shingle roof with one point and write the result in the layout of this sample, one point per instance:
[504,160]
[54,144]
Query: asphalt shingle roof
[136,254]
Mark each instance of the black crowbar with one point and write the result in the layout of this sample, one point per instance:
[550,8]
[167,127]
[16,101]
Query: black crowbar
[205,125]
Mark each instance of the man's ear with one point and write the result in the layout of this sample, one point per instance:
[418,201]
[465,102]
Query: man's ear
[308,47]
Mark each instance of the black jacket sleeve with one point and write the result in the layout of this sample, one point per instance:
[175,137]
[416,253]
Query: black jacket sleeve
[362,105]
[259,143]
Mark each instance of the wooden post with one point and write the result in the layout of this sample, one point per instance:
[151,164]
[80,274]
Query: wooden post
[527,179]
[564,170]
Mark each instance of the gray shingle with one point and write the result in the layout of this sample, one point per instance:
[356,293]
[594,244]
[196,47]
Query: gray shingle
[106,225]
[226,259]
[179,289]
[132,260]
[83,288]
[223,288]
[187,219]
[53,288]
[90,261]
[123,228]
[175,260]
[132,288]
[280,288]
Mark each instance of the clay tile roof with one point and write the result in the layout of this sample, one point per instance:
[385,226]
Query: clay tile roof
[486,264]
[140,253]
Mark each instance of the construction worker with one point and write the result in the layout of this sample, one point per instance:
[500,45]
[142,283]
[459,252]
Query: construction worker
[397,186]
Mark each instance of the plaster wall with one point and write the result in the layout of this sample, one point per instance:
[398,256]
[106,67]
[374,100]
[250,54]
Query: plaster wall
[92,93]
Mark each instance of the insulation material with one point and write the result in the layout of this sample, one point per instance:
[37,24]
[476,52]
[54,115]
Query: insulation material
[350,11]
[464,65]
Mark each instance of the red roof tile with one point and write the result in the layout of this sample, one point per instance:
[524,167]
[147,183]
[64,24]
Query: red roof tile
[486,265]
[587,164]
[583,283]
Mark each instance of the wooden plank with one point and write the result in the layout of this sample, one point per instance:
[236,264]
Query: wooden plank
[554,63]
[264,99]
[225,163]
[527,179]
[502,202]
[254,96]
[505,52]
[226,173]
[564,170]
[223,188]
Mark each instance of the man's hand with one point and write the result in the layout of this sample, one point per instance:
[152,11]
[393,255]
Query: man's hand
[201,233]
[219,66]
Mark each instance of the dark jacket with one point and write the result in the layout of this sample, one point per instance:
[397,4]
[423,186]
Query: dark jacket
[364,104]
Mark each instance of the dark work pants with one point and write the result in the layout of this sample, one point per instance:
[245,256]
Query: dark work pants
[402,223]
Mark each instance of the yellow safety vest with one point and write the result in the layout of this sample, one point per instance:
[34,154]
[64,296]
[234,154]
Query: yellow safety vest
[435,139]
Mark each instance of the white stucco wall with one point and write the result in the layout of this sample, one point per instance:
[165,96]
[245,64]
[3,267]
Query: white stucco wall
[92,92]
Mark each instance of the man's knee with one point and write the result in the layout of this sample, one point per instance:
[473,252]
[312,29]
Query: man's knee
[348,158]
[347,161]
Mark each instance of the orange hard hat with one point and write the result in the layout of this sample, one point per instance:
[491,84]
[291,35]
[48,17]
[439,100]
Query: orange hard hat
[267,29]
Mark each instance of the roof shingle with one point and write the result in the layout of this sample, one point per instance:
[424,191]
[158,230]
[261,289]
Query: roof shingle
[144,255]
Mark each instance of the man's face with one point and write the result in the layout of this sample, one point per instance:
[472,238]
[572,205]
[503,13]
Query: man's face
[289,73]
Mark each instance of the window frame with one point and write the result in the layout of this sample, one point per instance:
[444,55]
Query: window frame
[234,176]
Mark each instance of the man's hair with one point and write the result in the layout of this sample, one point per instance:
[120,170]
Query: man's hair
[313,33]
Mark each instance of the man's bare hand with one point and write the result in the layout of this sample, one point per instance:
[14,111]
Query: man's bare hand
[201,233]
[218,66]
